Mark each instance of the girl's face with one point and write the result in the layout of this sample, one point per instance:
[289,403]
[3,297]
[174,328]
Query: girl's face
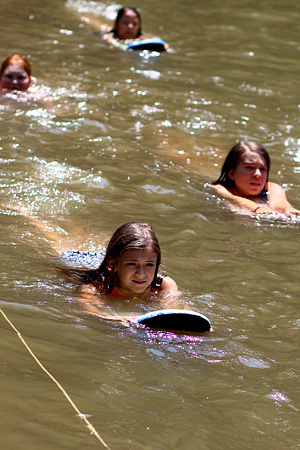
[15,78]
[250,175]
[136,269]
[128,26]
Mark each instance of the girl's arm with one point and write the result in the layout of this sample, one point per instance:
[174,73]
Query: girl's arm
[278,201]
[241,201]
[93,305]
[110,38]
[53,238]
[57,241]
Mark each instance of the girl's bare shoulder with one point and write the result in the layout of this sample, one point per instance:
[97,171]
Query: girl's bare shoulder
[272,185]
[168,284]
[275,189]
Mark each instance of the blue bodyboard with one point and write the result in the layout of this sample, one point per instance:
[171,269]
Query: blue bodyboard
[153,45]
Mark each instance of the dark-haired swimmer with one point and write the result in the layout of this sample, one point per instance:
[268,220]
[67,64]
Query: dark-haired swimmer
[127,27]
[244,181]
[127,270]
[129,267]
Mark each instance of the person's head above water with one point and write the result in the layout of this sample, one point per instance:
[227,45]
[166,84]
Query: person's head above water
[131,262]
[133,244]
[15,73]
[128,23]
[246,169]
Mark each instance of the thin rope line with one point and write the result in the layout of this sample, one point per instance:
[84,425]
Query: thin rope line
[81,415]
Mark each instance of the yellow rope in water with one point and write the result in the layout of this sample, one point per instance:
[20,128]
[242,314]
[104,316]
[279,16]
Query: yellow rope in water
[82,416]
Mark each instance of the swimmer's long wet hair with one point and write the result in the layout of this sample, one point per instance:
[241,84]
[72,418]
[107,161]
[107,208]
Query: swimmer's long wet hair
[233,157]
[16,60]
[130,236]
[120,14]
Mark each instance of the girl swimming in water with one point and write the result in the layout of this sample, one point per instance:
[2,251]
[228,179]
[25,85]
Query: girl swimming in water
[127,27]
[15,74]
[127,270]
[129,267]
[244,181]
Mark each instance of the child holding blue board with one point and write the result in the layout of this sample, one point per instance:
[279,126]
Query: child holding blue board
[129,267]
[127,270]
[126,32]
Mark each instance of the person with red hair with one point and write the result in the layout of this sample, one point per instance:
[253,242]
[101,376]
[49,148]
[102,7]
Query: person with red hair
[15,74]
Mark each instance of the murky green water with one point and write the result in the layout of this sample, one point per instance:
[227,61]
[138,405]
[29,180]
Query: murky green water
[134,138]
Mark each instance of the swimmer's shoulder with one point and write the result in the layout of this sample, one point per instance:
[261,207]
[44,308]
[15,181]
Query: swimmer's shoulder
[216,187]
[275,189]
[168,284]
[275,194]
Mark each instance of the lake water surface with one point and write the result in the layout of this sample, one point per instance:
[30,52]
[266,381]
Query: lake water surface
[134,137]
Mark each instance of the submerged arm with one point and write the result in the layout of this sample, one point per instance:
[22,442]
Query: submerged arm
[54,239]
[94,305]
[241,201]
[109,37]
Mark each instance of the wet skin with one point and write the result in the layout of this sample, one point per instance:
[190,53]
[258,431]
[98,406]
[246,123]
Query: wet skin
[128,26]
[135,270]
[250,175]
[15,78]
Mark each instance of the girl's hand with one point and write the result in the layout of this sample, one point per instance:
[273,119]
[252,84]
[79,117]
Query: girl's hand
[289,211]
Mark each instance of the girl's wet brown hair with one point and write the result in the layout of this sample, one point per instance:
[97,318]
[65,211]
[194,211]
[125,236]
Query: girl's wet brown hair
[120,14]
[233,157]
[129,236]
